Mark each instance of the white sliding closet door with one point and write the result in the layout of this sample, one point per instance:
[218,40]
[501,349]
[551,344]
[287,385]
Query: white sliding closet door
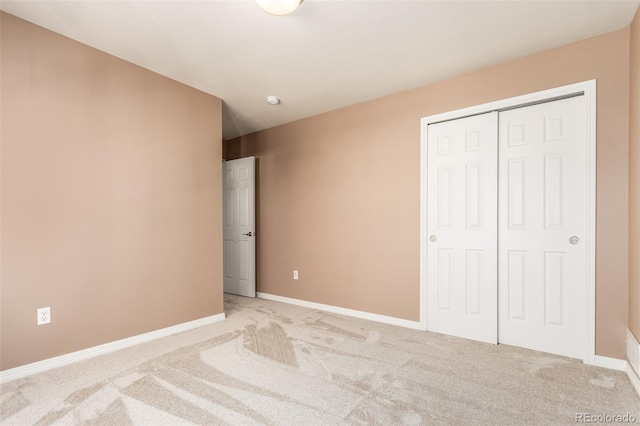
[462,228]
[542,227]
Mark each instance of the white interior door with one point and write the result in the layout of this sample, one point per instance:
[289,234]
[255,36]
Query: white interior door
[462,227]
[542,225]
[239,227]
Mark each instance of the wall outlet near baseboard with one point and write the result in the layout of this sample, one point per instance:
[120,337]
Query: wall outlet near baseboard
[295,275]
[44,315]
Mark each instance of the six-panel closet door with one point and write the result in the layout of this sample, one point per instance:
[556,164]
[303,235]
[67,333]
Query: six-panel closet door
[506,196]
[462,252]
[542,225]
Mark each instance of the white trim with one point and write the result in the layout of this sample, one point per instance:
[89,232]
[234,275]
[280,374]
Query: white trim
[423,223]
[588,88]
[634,378]
[610,363]
[633,350]
[415,325]
[514,102]
[59,361]
[633,360]
[590,240]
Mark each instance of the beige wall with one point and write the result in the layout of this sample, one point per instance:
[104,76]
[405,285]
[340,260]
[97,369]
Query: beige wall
[111,197]
[634,181]
[339,193]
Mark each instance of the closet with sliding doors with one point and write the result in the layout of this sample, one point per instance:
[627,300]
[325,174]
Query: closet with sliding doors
[510,221]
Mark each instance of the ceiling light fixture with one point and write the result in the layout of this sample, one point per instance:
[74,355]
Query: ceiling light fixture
[279,7]
[273,100]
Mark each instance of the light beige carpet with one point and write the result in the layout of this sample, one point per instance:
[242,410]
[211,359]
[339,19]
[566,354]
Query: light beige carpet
[273,363]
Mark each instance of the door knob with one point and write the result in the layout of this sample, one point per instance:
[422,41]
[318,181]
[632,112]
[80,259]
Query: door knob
[433,238]
[574,240]
[249,234]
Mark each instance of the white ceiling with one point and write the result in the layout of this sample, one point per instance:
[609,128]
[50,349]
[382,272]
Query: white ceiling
[327,54]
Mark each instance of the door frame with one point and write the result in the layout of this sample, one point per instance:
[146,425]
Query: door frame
[586,89]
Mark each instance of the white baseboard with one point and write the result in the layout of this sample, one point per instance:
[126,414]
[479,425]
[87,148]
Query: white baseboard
[59,361]
[343,311]
[633,357]
[633,351]
[610,363]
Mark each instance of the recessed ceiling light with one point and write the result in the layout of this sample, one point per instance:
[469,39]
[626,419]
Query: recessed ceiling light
[279,7]
[273,100]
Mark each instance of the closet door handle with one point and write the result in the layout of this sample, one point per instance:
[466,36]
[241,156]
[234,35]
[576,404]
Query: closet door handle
[433,238]
[249,234]
[574,240]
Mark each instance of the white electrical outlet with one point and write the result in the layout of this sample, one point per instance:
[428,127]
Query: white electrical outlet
[44,315]
[295,275]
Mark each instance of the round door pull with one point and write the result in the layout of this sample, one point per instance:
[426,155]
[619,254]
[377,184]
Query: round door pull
[574,240]
[433,238]
[249,234]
